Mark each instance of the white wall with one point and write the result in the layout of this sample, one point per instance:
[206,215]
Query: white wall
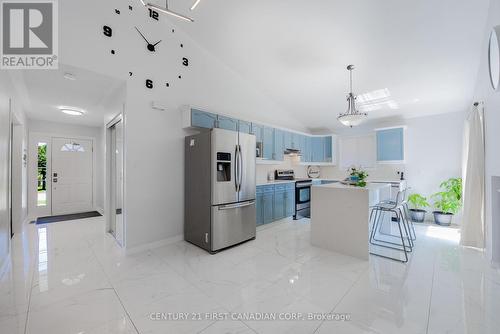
[154,139]
[491,100]
[433,152]
[4,171]
[289,162]
[7,93]
[69,130]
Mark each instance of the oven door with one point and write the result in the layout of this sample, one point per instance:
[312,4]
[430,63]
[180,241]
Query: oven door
[302,194]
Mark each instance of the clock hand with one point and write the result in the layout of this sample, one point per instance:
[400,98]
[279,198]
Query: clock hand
[157,43]
[142,35]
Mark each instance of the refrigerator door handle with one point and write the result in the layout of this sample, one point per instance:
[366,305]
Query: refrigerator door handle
[236,205]
[241,167]
[236,169]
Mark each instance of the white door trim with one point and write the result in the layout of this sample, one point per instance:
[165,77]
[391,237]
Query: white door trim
[33,136]
[108,199]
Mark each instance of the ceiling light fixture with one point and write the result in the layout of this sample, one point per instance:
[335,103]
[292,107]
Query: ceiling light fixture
[72,111]
[352,117]
[196,3]
[166,10]
[69,76]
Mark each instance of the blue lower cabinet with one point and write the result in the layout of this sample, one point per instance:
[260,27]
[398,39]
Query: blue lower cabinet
[259,205]
[274,202]
[279,202]
[290,200]
[267,207]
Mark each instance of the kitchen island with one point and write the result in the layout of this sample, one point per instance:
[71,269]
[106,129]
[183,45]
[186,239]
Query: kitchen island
[340,216]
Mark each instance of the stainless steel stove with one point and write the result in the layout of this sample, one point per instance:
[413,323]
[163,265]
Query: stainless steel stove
[302,192]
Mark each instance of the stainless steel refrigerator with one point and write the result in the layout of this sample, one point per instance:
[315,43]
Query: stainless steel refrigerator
[219,189]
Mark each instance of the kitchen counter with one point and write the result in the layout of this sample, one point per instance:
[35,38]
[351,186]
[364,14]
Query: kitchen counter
[266,183]
[340,216]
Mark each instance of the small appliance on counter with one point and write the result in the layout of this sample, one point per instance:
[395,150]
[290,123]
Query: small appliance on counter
[284,174]
[219,203]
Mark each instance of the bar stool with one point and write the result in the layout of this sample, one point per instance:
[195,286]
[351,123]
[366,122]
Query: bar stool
[393,208]
[403,185]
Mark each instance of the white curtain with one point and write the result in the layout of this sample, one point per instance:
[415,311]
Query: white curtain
[473,228]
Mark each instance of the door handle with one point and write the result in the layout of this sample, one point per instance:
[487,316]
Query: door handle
[236,205]
[240,168]
[236,172]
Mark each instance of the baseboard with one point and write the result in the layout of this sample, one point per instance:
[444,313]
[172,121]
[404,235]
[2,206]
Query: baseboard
[153,245]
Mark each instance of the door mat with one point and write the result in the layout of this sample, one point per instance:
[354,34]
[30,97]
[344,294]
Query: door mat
[61,218]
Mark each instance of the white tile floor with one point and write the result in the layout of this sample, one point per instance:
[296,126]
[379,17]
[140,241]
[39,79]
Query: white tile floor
[72,278]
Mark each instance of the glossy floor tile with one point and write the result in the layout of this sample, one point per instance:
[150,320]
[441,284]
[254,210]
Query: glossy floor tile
[71,277]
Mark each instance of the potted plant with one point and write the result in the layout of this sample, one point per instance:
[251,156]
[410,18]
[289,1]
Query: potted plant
[418,203]
[358,176]
[448,201]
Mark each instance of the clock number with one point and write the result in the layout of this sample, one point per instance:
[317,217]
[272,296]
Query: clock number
[185,62]
[149,83]
[107,31]
[153,14]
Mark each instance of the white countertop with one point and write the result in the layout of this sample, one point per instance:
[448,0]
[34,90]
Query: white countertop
[266,183]
[369,186]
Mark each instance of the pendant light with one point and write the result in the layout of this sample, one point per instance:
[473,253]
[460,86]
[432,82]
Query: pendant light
[352,117]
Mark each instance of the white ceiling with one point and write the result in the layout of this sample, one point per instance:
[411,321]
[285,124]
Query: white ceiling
[425,52]
[43,92]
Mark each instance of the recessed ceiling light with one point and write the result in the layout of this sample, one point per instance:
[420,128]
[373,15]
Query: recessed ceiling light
[69,76]
[72,111]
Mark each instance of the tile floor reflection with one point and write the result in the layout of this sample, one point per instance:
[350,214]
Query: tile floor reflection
[70,277]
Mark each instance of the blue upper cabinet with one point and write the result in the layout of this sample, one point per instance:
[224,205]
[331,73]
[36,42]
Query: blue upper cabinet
[307,152]
[268,143]
[390,145]
[278,145]
[295,141]
[318,149]
[328,143]
[245,127]
[227,123]
[258,131]
[203,119]
[287,139]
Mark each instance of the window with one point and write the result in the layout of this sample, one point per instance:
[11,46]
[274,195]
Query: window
[73,147]
[42,175]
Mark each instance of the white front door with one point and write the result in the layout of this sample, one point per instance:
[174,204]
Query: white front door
[72,170]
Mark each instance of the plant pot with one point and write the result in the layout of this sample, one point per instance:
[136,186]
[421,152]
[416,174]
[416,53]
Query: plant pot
[443,218]
[417,215]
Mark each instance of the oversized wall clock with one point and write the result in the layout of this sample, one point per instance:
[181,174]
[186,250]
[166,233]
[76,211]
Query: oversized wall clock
[151,44]
[494,58]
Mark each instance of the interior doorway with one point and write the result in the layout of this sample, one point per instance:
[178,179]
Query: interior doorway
[115,156]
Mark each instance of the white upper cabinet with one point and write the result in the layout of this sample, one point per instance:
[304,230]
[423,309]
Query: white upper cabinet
[359,151]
